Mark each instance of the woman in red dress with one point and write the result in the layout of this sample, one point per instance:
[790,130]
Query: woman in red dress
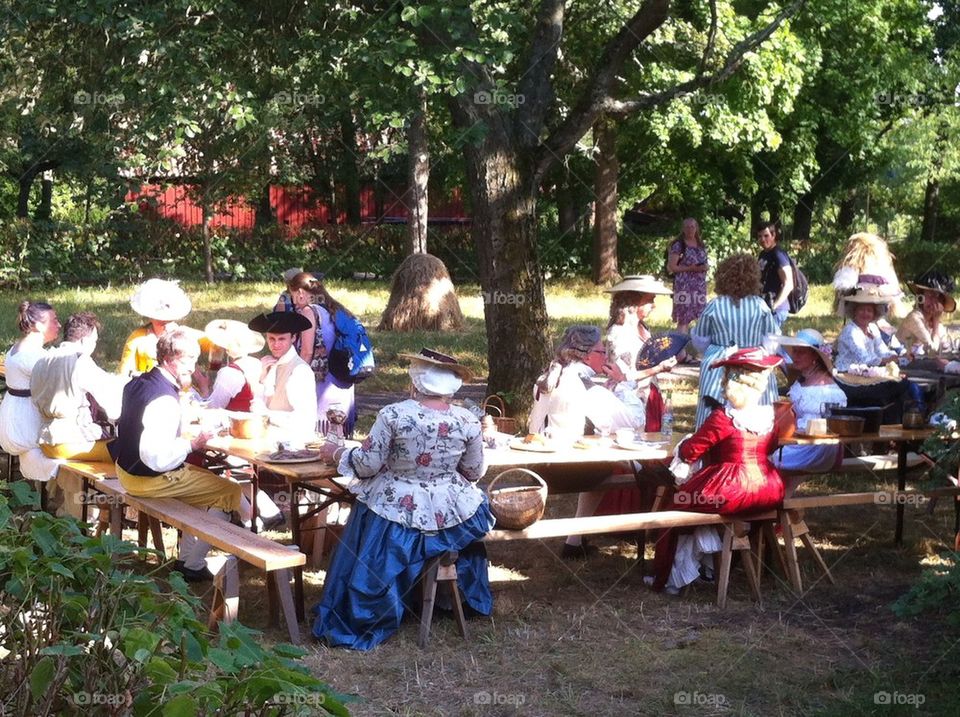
[734,444]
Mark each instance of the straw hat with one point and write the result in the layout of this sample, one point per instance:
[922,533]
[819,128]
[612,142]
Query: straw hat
[809,339]
[279,322]
[435,358]
[753,358]
[935,281]
[161,300]
[234,337]
[642,284]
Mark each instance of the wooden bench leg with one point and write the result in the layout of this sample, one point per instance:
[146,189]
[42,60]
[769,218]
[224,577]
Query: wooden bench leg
[226,590]
[281,583]
[726,557]
[768,543]
[116,519]
[156,533]
[447,573]
[428,585]
[790,550]
[736,537]
[800,530]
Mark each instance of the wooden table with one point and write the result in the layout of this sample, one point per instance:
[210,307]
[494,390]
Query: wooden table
[904,438]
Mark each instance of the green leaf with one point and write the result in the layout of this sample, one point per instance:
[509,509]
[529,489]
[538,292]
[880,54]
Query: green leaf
[45,540]
[65,650]
[61,570]
[138,640]
[160,671]
[41,677]
[408,14]
[23,494]
[181,706]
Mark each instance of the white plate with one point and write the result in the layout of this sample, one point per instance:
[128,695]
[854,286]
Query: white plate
[519,445]
[640,445]
[309,459]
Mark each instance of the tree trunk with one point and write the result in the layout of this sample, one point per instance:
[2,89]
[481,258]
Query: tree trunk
[605,185]
[263,212]
[44,209]
[504,196]
[567,215]
[847,213]
[349,173]
[207,244]
[23,197]
[803,218]
[419,176]
[931,210]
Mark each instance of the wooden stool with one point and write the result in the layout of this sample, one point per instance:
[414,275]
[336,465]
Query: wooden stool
[441,569]
[736,537]
[794,526]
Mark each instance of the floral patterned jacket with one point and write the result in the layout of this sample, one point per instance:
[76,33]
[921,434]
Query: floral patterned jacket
[418,466]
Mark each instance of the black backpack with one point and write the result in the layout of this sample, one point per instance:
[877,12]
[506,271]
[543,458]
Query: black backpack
[797,298]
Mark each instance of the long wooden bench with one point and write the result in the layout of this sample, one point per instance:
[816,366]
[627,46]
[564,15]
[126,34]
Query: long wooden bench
[275,559]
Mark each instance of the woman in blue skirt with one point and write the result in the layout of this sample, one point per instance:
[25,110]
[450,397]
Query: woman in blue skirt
[414,478]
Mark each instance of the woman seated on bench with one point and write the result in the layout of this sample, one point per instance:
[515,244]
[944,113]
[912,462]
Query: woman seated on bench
[416,499]
[869,358]
[810,394]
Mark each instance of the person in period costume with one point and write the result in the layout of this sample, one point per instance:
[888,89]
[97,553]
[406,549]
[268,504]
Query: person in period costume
[151,455]
[688,264]
[20,420]
[923,332]
[810,395]
[289,388]
[866,363]
[77,399]
[162,303]
[737,475]
[237,385]
[866,259]
[313,302]
[414,478]
[736,317]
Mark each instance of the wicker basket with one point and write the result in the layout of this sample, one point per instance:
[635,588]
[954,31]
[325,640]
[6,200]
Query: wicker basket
[518,507]
[504,423]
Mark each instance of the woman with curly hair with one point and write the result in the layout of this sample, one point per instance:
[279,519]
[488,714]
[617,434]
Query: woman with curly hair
[737,317]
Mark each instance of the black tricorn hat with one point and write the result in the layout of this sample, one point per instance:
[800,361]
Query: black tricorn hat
[280,322]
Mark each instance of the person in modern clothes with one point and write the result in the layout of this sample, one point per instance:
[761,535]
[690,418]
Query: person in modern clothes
[688,264]
[776,274]
[19,418]
[415,478]
[151,454]
[284,302]
[736,476]
[75,397]
[736,317]
[312,301]
[814,390]
[289,391]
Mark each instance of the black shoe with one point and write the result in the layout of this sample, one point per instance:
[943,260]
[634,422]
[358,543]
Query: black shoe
[578,552]
[190,575]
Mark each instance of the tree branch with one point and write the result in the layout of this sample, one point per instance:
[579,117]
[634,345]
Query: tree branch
[651,15]
[535,86]
[711,38]
[733,63]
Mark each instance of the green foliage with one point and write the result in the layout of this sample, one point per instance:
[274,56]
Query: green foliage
[936,592]
[83,628]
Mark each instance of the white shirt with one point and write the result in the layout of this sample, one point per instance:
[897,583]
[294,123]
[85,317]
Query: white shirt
[301,419]
[161,449]
[230,382]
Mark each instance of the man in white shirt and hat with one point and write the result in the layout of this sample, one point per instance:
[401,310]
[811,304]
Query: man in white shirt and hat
[289,385]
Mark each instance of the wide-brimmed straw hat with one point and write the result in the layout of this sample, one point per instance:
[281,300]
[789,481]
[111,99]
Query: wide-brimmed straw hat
[808,339]
[279,322]
[234,337]
[642,284]
[435,358]
[874,294]
[935,281]
[161,300]
[753,357]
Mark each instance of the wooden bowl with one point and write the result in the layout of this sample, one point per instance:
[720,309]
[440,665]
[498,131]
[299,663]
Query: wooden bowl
[248,425]
[846,425]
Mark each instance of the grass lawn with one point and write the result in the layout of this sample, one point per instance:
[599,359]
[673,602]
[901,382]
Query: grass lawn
[588,638]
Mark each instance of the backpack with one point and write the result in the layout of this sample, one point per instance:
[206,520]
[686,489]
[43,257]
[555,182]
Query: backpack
[350,359]
[798,296]
[666,256]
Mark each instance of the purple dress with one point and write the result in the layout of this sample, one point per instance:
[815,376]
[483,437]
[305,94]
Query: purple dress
[689,287]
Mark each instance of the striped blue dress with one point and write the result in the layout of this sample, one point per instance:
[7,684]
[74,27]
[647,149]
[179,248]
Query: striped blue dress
[721,326]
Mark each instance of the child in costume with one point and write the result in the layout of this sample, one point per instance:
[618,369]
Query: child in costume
[737,476]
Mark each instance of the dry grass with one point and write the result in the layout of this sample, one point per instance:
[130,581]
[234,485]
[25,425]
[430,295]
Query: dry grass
[588,638]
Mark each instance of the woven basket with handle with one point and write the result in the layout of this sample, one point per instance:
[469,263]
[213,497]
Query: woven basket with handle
[504,423]
[517,507]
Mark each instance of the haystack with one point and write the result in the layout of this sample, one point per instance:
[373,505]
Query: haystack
[422,297]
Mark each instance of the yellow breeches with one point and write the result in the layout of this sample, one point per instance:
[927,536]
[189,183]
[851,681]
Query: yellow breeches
[94,451]
[192,484]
